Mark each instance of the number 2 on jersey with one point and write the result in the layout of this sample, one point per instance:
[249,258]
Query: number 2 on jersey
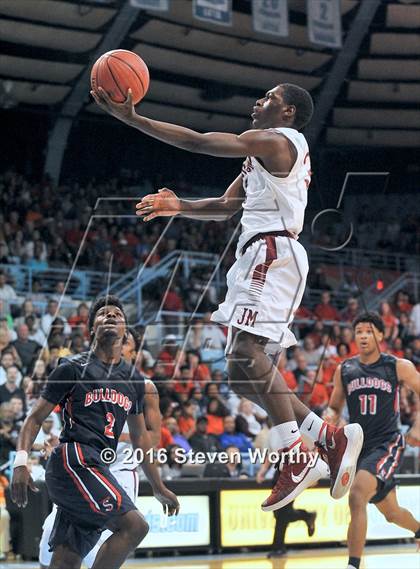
[364,408]
[108,428]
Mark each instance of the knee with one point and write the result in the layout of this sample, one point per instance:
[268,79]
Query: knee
[138,530]
[357,499]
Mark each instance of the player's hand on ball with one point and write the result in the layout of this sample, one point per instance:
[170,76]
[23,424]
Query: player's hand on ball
[122,111]
[20,482]
[165,203]
[168,500]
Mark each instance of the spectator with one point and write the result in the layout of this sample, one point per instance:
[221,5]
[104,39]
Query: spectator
[246,410]
[315,333]
[26,348]
[200,371]
[211,391]
[309,352]
[49,317]
[196,395]
[35,334]
[215,413]
[325,310]
[165,437]
[349,286]
[234,464]
[208,337]
[300,372]
[10,389]
[168,354]
[7,292]
[346,337]
[186,421]
[351,310]
[8,437]
[326,348]
[390,322]
[79,322]
[60,294]
[8,359]
[37,382]
[173,466]
[231,437]
[397,348]
[219,378]
[201,440]
[4,339]
[184,383]
[19,414]
[406,329]
[178,439]
[27,309]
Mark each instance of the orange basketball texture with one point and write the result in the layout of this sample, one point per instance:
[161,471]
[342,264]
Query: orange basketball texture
[119,70]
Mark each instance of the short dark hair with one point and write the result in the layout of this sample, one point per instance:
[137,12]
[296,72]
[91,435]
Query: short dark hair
[136,337]
[108,300]
[372,318]
[302,100]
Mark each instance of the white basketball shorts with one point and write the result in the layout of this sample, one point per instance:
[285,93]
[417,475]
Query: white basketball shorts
[265,288]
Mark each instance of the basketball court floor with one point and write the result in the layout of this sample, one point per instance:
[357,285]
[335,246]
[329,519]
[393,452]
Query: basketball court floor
[377,557]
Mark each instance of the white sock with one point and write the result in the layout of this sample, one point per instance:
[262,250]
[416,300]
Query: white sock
[284,435]
[312,427]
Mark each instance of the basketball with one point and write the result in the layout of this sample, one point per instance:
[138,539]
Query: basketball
[118,71]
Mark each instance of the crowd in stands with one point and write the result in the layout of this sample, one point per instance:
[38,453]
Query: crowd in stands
[42,227]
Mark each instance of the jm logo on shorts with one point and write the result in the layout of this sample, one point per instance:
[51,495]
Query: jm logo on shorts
[248,317]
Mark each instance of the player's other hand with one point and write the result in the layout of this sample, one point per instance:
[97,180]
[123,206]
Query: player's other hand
[122,111]
[168,500]
[165,203]
[19,488]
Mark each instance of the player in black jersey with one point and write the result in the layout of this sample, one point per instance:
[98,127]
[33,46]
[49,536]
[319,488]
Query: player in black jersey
[98,392]
[369,383]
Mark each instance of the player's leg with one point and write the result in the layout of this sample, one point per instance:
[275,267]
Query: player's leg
[65,558]
[363,489]
[396,514]
[129,481]
[128,531]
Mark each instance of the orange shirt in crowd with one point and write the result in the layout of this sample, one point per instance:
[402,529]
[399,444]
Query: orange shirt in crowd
[186,424]
[165,438]
[215,425]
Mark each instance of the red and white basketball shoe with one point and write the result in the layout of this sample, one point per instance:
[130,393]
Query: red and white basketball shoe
[341,451]
[295,476]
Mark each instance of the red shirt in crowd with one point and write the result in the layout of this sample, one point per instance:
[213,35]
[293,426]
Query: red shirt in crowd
[326,312]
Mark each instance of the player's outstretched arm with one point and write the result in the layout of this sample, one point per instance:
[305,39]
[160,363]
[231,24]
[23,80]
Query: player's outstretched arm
[140,438]
[21,478]
[167,204]
[226,145]
[333,412]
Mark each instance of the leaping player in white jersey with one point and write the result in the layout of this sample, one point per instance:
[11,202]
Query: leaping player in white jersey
[267,281]
[123,469]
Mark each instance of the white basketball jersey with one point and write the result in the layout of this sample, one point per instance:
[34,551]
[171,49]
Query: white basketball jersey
[273,203]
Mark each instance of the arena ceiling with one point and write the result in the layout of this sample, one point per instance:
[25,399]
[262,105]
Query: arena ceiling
[207,76]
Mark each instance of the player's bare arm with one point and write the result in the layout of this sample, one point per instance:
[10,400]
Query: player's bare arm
[338,398]
[408,374]
[166,203]
[140,438]
[261,142]
[152,416]
[30,429]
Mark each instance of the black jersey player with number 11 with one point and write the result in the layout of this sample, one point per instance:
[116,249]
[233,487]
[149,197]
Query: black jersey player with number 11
[369,383]
[98,392]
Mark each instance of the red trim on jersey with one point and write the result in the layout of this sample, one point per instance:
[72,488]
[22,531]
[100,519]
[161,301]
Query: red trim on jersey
[397,458]
[259,275]
[386,456]
[100,475]
[77,483]
[108,483]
